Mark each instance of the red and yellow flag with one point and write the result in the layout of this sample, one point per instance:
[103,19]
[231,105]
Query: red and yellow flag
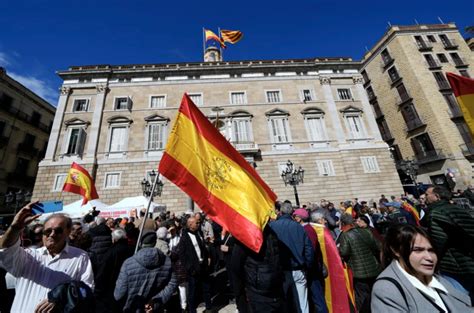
[463,88]
[210,35]
[232,36]
[412,210]
[339,290]
[200,161]
[79,181]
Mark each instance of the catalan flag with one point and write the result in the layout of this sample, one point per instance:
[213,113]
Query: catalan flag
[79,181]
[339,290]
[200,161]
[463,88]
[210,35]
[232,36]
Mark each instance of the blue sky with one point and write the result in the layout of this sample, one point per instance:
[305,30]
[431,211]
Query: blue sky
[39,37]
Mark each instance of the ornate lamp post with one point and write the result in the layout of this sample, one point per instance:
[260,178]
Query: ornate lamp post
[148,186]
[293,176]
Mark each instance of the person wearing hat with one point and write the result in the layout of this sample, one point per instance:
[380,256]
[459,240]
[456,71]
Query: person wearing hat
[315,274]
[145,279]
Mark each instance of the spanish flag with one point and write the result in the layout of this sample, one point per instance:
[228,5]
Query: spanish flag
[463,88]
[200,161]
[338,290]
[232,36]
[209,34]
[79,181]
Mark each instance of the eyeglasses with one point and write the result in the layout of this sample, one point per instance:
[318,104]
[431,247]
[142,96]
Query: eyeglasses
[58,231]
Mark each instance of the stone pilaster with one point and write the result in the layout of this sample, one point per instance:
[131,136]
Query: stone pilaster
[368,112]
[96,123]
[331,105]
[58,119]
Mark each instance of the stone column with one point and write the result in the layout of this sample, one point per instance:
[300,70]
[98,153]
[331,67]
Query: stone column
[96,123]
[332,109]
[58,120]
[366,106]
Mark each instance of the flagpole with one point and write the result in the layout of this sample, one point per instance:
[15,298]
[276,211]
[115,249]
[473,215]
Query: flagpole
[146,212]
[203,43]
[220,43]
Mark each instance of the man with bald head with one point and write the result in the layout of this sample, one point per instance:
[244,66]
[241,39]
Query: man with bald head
[40,270]
[194,256]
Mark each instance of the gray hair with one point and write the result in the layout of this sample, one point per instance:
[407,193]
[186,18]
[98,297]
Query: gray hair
[62,216]
[346,219]
[162,232]
[99,220]
[286,208]
[316,216]
[118,234]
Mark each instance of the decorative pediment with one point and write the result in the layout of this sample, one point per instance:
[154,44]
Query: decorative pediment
[240,113]
[312,110]
[119,119]
[351,109]
[156,118]
[276,112]
[76,121]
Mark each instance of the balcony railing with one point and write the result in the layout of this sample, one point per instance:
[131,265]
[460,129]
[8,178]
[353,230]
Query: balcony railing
[424,46]
[404,98]
[433,64]
[377,111]
[386,135]
[455,112]
[443,85]
[460,62]
[467,149]
[450,44]
[244,146]
[25,118]
[387,61]
[414,124]
[430,156]
[27,149]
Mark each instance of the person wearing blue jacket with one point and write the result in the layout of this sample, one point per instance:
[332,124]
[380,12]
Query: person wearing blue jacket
[296,257]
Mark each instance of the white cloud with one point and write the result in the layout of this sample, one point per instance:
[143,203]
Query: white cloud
[4,59]
[40,87]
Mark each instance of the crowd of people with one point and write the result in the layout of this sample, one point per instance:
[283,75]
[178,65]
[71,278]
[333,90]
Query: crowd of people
[400,260]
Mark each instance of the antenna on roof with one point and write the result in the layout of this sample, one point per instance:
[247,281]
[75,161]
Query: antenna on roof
[389,24]
[417,22]
[441,21]
[366,50]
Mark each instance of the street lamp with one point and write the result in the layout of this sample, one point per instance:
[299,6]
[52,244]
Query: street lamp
[19,198]
[410,168]
[293,176]
[147,185]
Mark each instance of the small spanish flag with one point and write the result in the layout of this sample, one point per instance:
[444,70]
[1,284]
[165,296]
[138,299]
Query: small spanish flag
[79,181]
[339,290]
[211,36]
[463,88]
[232,36]
[200,161]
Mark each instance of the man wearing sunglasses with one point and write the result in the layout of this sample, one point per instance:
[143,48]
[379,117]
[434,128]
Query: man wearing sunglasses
[40,270]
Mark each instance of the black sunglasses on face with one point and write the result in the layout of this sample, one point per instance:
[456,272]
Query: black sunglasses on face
[58,231]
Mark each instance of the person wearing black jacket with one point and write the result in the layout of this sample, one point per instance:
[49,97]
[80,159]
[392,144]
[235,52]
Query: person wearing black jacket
[101,242]
[258,277]
[195,258]
[109,271]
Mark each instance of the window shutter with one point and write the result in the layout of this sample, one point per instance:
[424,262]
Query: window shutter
[81,142]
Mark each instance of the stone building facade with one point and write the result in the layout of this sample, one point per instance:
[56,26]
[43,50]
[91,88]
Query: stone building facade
[114,120]
[416,111]
[25,122]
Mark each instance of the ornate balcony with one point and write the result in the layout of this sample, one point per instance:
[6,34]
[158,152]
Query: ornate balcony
[430,156]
